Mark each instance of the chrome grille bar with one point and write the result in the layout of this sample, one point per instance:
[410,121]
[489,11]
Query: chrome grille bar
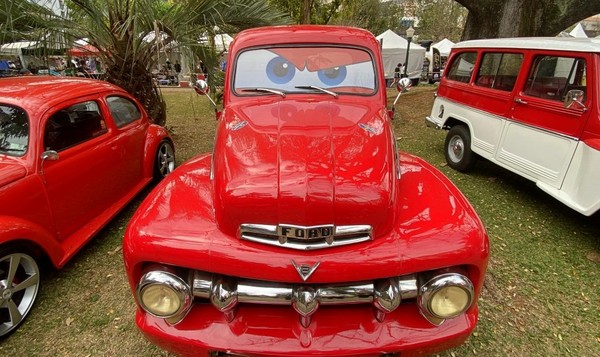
[226,292]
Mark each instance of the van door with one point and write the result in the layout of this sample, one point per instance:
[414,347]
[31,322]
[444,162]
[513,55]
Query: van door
[541,135]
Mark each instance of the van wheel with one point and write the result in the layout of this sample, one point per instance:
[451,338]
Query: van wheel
[458,149]
[19,285]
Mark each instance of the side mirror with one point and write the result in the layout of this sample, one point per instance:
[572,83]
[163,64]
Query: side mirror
[201,87]
[49,155]
[574,96]
[403,85]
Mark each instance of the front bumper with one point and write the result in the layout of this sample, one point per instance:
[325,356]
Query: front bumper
[276,331]
[432,123]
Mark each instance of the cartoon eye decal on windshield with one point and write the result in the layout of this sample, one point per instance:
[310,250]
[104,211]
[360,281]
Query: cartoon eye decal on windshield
[332,76]
[280,71]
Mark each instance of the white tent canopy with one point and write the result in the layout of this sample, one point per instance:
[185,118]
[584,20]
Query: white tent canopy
[444,46]
[222,42]
[394,52]
[578,31]
[14,48]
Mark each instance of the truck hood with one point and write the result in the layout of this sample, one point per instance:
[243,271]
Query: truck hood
[11,171]
[306,163]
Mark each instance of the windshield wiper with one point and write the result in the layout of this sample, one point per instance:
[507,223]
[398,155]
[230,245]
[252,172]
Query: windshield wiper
[262,90]
[319,89]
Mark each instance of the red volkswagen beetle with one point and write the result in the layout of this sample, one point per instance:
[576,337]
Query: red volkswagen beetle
[73,152]
[305,232]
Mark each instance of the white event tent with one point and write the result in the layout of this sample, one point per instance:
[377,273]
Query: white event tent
[444,46]
[394,51]
[578,31]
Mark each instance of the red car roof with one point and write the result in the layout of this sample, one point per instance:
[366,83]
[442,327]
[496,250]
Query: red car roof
[36,93]
[306,34]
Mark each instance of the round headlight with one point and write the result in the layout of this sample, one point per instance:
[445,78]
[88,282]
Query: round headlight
[449,302]
[445,296]
[164,294]
[160,300]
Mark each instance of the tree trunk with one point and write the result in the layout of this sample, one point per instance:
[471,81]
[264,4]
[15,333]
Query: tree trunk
[307,4]
[519,18]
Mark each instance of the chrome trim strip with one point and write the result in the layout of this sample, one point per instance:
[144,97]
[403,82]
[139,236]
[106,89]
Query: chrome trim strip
[269,234]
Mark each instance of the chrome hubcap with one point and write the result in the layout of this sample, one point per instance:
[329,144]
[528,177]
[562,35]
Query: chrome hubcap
[19,285]
[456,149]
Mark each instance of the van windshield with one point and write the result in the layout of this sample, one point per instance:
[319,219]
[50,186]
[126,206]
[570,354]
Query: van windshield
[299,69]
[14,131]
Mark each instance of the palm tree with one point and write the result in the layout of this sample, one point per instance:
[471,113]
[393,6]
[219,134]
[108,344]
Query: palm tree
[130,34]
[21,20]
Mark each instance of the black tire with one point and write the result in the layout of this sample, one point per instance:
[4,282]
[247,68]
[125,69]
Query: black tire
[164,162]
[19,287]
[457,149]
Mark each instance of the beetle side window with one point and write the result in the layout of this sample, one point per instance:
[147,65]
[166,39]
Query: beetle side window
[123,111]
[499,70]
[462,67]
[14,131]
[73,125]
[551,77]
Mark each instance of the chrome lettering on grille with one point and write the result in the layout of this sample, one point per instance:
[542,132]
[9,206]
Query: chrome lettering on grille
[305,233]
[305,237]
[305,270]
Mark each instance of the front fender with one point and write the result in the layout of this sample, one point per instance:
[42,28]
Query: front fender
[17,230]
[154,136]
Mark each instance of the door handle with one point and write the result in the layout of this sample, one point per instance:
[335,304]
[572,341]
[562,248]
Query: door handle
[520,101]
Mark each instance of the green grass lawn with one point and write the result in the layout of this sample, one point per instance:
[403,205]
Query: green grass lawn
[542,290]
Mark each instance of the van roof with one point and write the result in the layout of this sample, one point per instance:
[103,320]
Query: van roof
[539,43]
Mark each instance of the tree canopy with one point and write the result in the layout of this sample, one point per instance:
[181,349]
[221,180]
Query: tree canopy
[131,34]
[373,15]
[519,18]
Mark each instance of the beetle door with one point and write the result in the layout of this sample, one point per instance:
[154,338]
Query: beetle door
[82,182]
[540,139]
[131,129]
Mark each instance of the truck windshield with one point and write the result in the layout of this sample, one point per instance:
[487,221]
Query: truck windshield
[301,69]
[14,131]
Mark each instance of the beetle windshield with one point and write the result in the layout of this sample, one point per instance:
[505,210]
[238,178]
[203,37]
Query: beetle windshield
[14,131]
[324,70]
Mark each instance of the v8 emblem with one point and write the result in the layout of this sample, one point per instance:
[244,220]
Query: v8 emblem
[305,270]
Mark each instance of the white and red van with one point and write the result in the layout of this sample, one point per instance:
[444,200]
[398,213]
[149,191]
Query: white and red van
[530,105]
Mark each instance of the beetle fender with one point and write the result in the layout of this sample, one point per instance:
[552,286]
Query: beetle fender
[154,136]
[14,229]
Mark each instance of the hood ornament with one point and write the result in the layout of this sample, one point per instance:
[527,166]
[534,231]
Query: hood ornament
[305,270]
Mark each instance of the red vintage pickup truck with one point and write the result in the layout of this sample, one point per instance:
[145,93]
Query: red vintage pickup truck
[305,231]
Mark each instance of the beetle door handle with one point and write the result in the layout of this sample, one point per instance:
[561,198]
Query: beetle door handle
[520,101]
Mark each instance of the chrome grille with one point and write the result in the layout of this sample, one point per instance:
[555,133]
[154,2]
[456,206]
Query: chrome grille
[305,237]
[225,293]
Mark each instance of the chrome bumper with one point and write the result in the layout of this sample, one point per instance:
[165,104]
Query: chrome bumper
[432,123]
[225,293]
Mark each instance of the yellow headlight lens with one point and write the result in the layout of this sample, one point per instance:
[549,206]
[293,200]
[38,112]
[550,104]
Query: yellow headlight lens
[449,302]
[160,300]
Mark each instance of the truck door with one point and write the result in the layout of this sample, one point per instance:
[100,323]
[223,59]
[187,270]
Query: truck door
[541,135]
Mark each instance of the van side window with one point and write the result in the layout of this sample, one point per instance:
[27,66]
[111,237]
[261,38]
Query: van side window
[552,77]
[73,125]
[499,70]
[462,67]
